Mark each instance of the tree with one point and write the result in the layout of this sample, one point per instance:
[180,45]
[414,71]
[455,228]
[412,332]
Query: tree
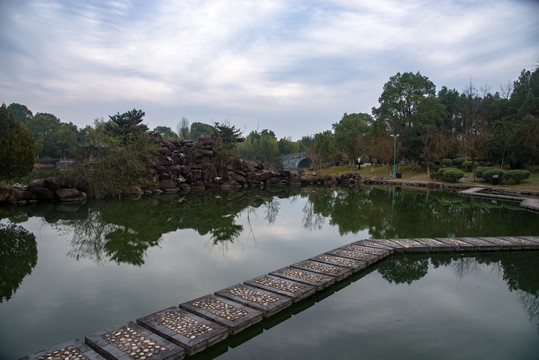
[351,133]
[287,146]
[198,128]
[126,126]
[17,151]
[400,103]
[166,133]
[21,113]
[183,129]
[226,138]
[322,150]
[42,127]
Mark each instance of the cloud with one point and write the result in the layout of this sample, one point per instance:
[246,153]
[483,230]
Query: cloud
[290,66]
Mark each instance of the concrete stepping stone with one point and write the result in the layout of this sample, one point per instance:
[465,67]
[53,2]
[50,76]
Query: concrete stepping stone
[131,341]
[318,281]
[533,239]
[411,245]
[480,244]
[351,254]
[353,264]
[293,289]
[185,329]
[71,350]
[266,302]
[380,243]
[234,316]
[434,245]
[525,243]
[502,243]
[338,272]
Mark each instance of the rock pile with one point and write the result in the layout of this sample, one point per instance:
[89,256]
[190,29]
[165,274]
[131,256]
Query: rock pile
[64,189]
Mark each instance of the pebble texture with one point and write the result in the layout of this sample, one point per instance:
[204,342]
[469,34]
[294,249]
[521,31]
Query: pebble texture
[68,353]
[353,254]
[182,324]
[253,295]
[365,249]
[281,284]
[303,275]
[220,308]
[338,260]
[137,346]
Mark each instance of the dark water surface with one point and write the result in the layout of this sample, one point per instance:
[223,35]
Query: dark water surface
[100,264]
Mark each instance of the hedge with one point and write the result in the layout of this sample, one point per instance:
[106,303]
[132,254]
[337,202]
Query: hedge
[447,162]
[487,175]
[447,174]
[458,161]
[517,176]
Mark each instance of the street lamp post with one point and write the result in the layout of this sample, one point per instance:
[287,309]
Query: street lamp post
[394,154]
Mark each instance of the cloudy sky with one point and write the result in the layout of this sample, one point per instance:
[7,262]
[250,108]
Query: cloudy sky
[290,66]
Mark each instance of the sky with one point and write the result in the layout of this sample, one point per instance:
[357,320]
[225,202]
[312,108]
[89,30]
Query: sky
[294,67]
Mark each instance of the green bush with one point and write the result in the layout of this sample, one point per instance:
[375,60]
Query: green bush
[468,165]
[458,161]
[447,174]
[479,171]
[516,176]
[447,162]
[487,175]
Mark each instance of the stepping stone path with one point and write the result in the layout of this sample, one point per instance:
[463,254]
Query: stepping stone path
[193,326]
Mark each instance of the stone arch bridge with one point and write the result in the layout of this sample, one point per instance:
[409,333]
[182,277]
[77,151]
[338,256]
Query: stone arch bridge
[296,161]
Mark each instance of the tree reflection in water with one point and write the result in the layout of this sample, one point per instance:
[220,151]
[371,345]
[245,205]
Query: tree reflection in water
[18,256]
[517,268]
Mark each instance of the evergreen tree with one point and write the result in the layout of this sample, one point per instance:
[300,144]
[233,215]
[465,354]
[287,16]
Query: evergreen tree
[17,151]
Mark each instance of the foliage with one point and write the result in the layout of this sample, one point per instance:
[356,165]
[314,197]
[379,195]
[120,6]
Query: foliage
[480,170]
[447,162]
[447,174]
[516,176]
[226,138]
[17,153]
[488,174]
[469,165]
[350,135]
[198,128]
[322,150]
[18,256]
[459,161]
[21,113]
[286,146]
[126,127]
[166,133]
[261,146]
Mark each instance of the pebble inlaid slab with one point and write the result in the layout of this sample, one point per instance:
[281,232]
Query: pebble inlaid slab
[191,332]
[379,244]
[131,341]
[382,242]
[527,244]
[72,350]
[434,245]
[367,250]
[501,242]
[456,243]
[292,289]
[235,317]
[268,303]
[353,264]
[480,243]
[411,245]
[319,281]
[338,272]
[368,258]
[534,239]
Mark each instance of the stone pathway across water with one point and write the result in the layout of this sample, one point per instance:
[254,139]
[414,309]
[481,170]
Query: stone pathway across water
[193,326]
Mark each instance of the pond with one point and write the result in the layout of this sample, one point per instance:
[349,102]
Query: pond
[100,264]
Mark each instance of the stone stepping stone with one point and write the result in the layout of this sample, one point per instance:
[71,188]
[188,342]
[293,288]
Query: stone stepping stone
[411,245]
[351,254]
[355,265]
[480,244]
[380,243]
[71,350]
[266,302]
[524,242]
[185,329]
[532,239]
[131,341]
[319,281]
[295,290]
[235,317]
[457,244]
[368,250]
[338,272]
[504,243]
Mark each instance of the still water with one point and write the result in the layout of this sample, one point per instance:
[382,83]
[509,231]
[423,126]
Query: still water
[103,263]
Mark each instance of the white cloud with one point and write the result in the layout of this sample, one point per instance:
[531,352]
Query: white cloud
[289,65]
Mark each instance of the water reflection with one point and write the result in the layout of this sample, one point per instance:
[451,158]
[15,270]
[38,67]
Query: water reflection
[518,270]
[123,231]
[18,256]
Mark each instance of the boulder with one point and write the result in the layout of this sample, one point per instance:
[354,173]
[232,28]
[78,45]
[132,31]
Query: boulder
[198,185]
[69,195]
[167,185]
[185,187]
[37,183]
[135,190]
[274,182]
[4,194]
[230,184]
[43,194]
[53,183]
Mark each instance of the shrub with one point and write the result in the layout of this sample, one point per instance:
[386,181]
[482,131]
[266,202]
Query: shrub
[517,176]
[458,161]
[468,165]
[488,174]
[447,174]
[447,162]
[479,171]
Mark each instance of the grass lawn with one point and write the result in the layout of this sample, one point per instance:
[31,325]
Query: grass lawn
[420,175]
